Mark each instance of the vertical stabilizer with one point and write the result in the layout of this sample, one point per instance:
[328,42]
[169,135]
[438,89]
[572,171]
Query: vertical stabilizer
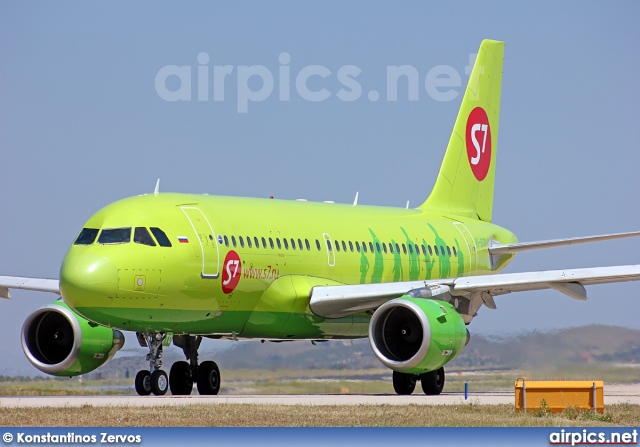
[465,182]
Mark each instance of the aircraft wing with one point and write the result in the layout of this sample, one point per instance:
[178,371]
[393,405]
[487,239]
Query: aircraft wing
[36,284]
[496,248]
[338,301]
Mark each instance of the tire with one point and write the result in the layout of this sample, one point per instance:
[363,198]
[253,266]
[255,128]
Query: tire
[404,384]
[432,382]
[208,378]
[159,382]
[180,381]
[143,383]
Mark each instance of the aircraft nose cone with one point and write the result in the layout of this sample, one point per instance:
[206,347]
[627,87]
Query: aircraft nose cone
[87,280]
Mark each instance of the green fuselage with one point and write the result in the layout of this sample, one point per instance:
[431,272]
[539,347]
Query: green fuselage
[215,281]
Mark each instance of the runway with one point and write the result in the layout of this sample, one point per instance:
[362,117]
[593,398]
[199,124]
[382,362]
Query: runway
[613,394]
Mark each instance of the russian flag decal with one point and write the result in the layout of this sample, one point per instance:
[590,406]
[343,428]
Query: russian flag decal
[183,239]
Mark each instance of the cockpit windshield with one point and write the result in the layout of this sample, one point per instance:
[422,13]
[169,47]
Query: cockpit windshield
[115,236]
[141,236]
[87,236]
[161,237]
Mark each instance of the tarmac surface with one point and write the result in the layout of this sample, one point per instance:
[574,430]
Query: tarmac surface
[613,394]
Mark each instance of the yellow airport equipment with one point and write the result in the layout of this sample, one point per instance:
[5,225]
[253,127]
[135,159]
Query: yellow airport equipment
[559,395]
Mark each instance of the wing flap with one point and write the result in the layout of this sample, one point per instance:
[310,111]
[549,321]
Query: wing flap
[35,284]
[339,301]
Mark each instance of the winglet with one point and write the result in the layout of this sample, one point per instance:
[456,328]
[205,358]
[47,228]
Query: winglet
[157,189]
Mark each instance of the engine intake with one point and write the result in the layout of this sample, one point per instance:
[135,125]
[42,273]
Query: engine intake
[416,335]
[59,342]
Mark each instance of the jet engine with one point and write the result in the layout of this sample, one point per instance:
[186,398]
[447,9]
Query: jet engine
[59,342]
[416,335]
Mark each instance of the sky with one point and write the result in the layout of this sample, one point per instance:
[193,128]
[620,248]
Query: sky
[92,110]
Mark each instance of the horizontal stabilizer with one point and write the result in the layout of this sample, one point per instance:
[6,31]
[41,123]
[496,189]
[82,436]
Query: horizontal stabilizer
[496,248]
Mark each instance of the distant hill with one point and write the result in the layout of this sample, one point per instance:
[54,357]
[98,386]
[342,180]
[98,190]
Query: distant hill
[580,345]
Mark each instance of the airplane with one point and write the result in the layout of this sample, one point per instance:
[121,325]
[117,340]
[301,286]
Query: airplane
[178,268]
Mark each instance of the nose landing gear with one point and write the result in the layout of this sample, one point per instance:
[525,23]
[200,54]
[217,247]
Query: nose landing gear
[153,380]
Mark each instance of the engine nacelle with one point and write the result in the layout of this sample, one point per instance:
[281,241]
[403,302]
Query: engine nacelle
[59,342]
[416,335]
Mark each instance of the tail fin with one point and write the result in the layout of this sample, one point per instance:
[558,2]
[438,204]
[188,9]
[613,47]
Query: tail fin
[464,185]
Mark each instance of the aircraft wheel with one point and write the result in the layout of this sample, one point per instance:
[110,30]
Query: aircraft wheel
[432,382]
[208,378]
[143,383]
[159,382]
[403,383]
[180,381]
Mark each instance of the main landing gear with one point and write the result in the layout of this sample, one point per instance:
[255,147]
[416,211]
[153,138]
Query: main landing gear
[182,375]
[432,382]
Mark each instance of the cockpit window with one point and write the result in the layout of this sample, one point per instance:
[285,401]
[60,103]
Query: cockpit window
[115,236]
[162,238]
[141,236]
[87,236]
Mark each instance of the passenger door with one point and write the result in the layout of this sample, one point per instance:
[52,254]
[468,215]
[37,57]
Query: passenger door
[207,239]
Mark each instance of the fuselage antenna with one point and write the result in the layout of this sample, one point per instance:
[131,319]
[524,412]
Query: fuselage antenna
[355,201]
[157,189]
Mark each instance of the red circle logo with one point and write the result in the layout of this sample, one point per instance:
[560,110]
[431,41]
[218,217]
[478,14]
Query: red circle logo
[479,142]
[231,271]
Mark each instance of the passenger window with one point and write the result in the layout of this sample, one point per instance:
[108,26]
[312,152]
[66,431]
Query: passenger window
[455,252]
[115,236]
[306,242]
[417,249]
[435,247]
[424,251]
[286,243]
[357,246]
[162,238]
[391,248]
[344,247]
[337,245]
[410,249]
[364,247]
[371,247]
[233,241]
[329,245]
[87,236]
[264,243]
[378,246]
[318,244]
[404,249]
[248,241]
[293,243]
[141,236]
[241,241]
[398,248]
[226,241]
[300,245]
[351,246]
[278,243]
[271,243]
[256,242]
[429,248]
[442,250]
[449,251]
